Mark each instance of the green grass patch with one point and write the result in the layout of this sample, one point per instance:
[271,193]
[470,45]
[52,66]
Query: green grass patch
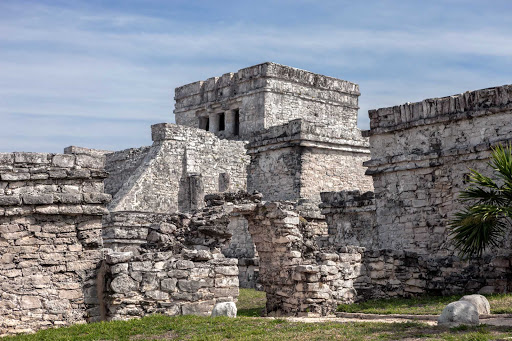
[158,327]
[251,302]
[423,305]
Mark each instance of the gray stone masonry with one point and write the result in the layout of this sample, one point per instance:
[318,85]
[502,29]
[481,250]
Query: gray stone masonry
[386,273]
[50,240]
[299,277]
[164,178]
[171,263]
[350,217]
[300,159]
[263,96]
[422,154]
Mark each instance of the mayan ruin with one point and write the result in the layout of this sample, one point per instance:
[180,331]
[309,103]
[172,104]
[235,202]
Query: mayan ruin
[264,182]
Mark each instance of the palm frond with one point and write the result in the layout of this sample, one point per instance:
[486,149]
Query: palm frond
[501,162]
[481,180]
[476,228]
[483,196]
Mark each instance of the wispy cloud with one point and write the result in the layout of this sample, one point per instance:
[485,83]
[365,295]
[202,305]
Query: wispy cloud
[65,64]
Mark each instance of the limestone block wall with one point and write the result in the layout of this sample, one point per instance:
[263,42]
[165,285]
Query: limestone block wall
[121,165]
[386,273]
[267,95]
[300,159]
[298,276]
[242,248]
[50,240]
[394,273]
[421,156]
[350,217]
[180,167]
[170,263]
[166,283]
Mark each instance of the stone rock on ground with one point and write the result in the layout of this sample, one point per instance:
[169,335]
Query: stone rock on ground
[224,309]
[481,303]
[458,313]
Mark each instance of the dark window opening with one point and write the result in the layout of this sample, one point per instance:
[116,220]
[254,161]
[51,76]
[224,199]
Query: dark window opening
[204,123]
[222,121]
[236,131]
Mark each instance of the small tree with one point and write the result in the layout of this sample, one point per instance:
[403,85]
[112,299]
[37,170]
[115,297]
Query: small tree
[486,218]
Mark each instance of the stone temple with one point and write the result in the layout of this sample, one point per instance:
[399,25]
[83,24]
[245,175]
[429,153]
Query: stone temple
[264,182]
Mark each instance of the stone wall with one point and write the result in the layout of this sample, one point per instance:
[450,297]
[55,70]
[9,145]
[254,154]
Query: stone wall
[350,217]
[50,240]
[421,156]
[242,248]
[121,165]
[298,276]
[180,167]
[171,263]
[300,159]
[393,273]
[387,273]
[267,95]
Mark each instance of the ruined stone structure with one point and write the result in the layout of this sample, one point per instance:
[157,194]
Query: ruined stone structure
[237,105]
[50,239]
[264,182]
[421,156]
[174,173]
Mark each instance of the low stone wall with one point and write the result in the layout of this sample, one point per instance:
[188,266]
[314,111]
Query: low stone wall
[392,273]
[166,283]
[50,240]
[386,273]
[170,263]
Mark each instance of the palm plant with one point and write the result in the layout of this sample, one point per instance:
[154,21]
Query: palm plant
[486,218]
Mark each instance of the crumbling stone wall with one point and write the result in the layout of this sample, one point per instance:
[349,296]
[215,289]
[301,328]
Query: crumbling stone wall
[421,156]
[50,240]
[267,95]
[181,166]
[300,159]
[170,263]
[395,273]
[298,276]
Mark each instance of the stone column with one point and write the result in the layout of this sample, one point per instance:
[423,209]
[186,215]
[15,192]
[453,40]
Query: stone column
[214,123]
[196,191]
[230,123]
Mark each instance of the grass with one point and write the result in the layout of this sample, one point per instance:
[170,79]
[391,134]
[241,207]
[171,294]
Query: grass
[159,327]
[423,305]
[251,302]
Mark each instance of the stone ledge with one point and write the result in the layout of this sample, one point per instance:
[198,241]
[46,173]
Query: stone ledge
[416,161]
[268,70]
[438,110]
[308,134]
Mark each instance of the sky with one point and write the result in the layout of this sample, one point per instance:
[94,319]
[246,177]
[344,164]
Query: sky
[97,74]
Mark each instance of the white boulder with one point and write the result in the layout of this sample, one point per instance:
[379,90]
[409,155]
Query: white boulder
[224,309]
[458,313]
[481,303]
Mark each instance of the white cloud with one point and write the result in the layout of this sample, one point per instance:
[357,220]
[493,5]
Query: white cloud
[124,66]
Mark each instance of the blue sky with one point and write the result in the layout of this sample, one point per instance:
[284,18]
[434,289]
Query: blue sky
[97,73]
